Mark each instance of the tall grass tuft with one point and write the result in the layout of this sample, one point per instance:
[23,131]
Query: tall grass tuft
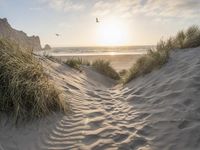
[25,90]
[157,57]
[105,68]
[76,63]
[180,39]
[192,37]
[152,60]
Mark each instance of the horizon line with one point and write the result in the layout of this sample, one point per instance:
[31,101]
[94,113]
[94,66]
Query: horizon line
[103,46]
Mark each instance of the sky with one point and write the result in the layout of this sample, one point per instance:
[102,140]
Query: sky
[122,22]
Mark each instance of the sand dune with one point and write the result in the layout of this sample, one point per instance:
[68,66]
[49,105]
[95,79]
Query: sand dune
[158,111]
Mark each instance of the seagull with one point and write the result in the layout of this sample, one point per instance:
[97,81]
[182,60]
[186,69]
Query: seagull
[97,20]
[57,34]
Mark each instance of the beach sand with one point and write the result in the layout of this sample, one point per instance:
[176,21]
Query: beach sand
[118,62]
[159,111]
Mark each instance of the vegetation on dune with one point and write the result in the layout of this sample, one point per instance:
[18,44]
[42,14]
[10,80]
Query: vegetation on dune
[152,60]
[101,66]
[25,90]
[105,68]
[76,63]
[122,72]
[189,38]
[155,58]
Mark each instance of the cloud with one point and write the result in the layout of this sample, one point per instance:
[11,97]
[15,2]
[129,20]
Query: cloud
[151,8]
[63,5]
[171,8]
[118,7]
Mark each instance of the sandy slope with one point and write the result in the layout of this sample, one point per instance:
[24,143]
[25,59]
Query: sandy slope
[158,111]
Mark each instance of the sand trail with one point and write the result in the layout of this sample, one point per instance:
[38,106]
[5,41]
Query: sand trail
[100,117]
[100,120]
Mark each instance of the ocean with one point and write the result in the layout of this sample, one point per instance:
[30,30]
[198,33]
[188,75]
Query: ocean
[87,51]
[121,57]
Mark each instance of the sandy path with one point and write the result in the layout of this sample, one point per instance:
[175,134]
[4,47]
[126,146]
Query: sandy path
[99,121]
[100,118]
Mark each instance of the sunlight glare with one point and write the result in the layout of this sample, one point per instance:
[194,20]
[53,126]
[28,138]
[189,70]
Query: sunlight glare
[112,33]
[112,53]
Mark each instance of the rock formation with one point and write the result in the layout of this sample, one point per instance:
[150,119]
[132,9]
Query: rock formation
[19,37]
[47,47]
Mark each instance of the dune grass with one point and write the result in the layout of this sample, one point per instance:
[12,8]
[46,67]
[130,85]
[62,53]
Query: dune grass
[76,63]
[101,66]
[122,72]
[26,92]
[156,58]
[152,60]
[104,67]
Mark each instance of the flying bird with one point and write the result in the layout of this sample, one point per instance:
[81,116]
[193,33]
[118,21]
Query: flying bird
[97,20]
[57,34]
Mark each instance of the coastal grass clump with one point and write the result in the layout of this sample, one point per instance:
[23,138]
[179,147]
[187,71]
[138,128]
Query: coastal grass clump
[76,63]
[156,58]
[104,67]
[189,38]
[152,60]
[100,66]
[192,37]
[122,72]
[26,92]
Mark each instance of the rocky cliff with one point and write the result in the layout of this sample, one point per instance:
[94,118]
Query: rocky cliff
[19,37]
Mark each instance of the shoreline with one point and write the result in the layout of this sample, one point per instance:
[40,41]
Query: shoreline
[111,53]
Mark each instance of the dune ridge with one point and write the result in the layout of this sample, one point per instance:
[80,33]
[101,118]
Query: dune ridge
[157,111]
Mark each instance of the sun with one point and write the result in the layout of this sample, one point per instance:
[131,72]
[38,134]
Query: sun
[112,33]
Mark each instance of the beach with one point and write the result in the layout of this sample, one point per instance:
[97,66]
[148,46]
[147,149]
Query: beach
[153,112]
[99,75]
[120,57]
[118,61]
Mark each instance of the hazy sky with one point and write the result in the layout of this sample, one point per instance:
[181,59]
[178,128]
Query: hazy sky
[122,22]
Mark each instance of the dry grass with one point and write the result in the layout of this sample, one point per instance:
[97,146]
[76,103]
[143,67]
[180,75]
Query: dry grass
[151,61]
[76,63]
[157,57]
[106,69]
[192,37]
[100,66]
[25,90]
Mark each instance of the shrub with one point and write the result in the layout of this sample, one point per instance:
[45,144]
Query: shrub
[105,68]
[25,90]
